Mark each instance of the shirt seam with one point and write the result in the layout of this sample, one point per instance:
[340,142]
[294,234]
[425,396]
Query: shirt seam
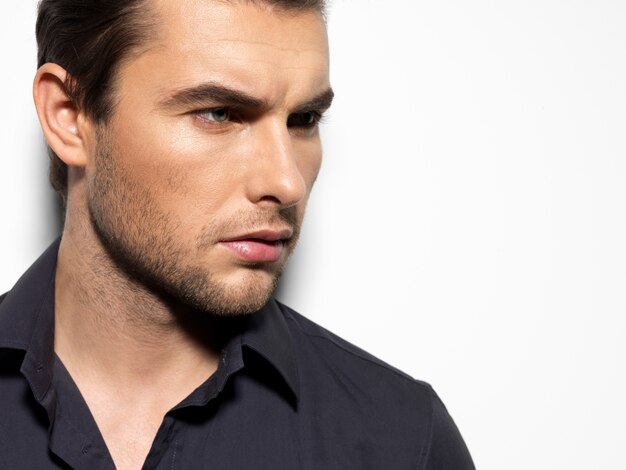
[355,354]
[366,359]
[431,433]
[423,453]
[174,454]
[86,440]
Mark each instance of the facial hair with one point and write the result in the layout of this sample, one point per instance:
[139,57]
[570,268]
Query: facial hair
[144,243]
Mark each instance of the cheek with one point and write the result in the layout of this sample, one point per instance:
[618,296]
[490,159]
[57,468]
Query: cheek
[186,174]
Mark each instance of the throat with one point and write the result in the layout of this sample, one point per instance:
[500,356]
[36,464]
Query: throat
[123,347]
[141,398]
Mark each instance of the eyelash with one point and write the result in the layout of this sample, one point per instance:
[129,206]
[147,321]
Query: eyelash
[317,118]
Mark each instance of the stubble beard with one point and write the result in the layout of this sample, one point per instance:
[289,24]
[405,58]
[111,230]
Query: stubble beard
[142,242]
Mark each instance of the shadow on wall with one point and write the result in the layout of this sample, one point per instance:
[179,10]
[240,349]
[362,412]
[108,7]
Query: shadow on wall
[55,211]
[282,288]
[290,282]
[50,202]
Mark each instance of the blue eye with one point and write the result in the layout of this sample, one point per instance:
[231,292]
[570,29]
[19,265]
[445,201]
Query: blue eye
[217,115]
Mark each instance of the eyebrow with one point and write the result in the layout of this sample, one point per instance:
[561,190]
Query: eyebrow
[211,92]
[319,103]
[225,96]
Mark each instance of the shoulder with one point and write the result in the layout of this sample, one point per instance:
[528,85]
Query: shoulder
[340,349]
[349,385]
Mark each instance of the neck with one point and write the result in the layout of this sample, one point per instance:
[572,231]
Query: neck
[111,328]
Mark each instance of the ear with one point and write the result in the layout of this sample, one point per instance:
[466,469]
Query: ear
[65,128]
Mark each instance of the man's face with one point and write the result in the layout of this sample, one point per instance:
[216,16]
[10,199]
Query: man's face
[199,181]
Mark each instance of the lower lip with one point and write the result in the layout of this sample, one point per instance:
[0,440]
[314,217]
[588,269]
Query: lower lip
[256,251]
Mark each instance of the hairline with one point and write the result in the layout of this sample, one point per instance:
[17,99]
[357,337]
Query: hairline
[150,35]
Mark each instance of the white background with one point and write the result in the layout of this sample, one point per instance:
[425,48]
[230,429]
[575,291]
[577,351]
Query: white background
[469,223]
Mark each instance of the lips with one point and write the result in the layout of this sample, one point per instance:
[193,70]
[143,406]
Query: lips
[266,246]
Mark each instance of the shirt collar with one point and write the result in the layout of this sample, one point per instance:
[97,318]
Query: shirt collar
[266,332]
[27,320]
[27,323]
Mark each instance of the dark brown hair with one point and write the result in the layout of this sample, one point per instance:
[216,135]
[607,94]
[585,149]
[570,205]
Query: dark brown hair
[90,39]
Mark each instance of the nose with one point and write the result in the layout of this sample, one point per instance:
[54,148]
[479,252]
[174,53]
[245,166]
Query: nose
[275,177]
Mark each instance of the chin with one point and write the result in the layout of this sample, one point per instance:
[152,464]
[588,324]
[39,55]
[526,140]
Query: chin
[240,294]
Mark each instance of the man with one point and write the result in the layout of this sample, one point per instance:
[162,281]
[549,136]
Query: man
[184,143]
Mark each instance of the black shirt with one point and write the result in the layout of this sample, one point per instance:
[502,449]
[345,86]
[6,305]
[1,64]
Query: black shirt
[287,395]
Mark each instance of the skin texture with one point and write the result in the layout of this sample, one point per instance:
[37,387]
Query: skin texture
[143,268]
[169,184]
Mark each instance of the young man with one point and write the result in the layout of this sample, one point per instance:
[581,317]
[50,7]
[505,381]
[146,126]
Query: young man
[184,142]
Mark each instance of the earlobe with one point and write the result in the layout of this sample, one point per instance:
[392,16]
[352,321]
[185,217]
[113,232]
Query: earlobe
[61,121]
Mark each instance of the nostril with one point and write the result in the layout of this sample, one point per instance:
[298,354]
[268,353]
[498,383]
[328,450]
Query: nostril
[272,199]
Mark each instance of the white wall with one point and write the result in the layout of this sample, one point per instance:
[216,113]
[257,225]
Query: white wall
[469,224]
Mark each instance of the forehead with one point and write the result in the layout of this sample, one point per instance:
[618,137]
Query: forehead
[215,14]
[238,41]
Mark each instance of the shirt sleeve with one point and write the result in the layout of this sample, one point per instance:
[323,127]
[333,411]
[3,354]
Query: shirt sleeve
[447,448]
